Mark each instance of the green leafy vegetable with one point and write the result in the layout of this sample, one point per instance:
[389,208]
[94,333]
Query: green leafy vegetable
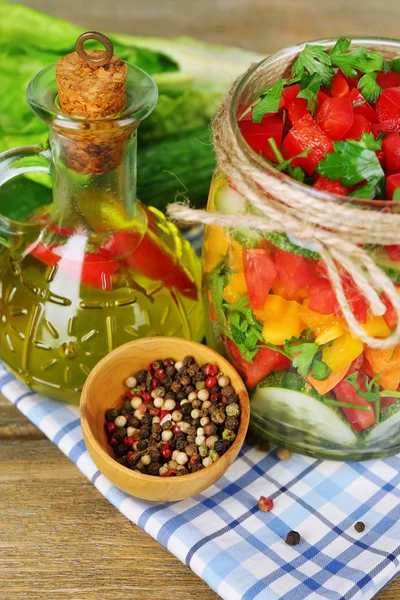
[372,393]
[368,141]
[243,328]
[353,162]
[395,65]
[309,88]
[283,164]
[306,355]
[218,282]
[361,59]
[370,90]
[270,102]
[320,370]
[314,59]
[396,195]
[346,404]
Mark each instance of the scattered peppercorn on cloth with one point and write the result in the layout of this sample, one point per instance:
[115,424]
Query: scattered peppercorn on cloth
[236,548]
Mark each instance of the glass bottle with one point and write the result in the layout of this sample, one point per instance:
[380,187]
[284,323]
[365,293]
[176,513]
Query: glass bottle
[94,269]
[319,418]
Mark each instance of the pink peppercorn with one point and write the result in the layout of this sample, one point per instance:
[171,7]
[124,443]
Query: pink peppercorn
[154,411]
[129,441]
[166,452]
[154,383]
[265,504]
[210,370]
[146,397]
[110,427]
[150,367]
[176,429]
[160,373]
[113,441]
[142,409]
[130,456]
[215,397]
[211,381]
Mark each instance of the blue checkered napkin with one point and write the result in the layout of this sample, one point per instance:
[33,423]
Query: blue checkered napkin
[239,550]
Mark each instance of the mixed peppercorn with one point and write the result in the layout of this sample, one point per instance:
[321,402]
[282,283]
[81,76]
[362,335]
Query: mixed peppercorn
[175,418]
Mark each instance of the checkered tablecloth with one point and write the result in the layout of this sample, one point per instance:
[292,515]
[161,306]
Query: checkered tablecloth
[239,550]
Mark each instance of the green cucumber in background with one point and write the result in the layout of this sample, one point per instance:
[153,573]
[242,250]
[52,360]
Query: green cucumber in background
[175,154]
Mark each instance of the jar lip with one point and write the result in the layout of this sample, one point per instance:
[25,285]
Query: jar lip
[142,96]
[255,158]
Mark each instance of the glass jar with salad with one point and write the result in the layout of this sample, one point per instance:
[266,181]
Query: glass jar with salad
[95,268]
[326,121]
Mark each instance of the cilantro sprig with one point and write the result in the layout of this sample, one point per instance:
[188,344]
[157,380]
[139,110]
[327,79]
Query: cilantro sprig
[360,59]
[355,162]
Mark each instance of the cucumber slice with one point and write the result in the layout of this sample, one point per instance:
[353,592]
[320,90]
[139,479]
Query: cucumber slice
[281,240]
[389,426]
[229,202]
[391,267]
[288,399]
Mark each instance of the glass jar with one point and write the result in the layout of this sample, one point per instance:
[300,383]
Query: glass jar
[95,268]
[333,418]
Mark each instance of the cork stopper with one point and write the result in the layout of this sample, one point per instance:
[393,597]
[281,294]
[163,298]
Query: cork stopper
[91,84]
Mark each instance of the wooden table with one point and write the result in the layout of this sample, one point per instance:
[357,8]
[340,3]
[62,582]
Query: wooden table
[60,539]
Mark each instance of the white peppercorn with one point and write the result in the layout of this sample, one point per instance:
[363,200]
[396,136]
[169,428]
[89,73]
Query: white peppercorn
[195,414]
[156,419]
[169,404]
[131,382]
[120,421]
[210,441]
[178,365]
[163,470]
[192,396]
[167,435]
[182,458]
[203,395]
[136,402]
[207,461]
[184,426]
[177,416]
[207,404]
[138,414]
[146,459]
[158,402]
[204,421]
[200,440]
[200,431]
[223,381]
[130,431]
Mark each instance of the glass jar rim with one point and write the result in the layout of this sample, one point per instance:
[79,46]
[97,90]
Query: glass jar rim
[141,92]
[291,52]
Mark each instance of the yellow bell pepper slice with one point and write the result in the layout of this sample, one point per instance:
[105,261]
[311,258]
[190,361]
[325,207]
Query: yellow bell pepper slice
[325,327]
[376,327]
[215,247]
[236,285]
[235,254]
[329,334]
[342,352]
[281,320]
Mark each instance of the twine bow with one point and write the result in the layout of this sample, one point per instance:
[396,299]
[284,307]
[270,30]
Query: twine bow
[336,229]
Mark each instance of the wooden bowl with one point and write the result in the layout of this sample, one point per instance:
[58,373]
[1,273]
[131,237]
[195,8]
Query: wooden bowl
[102,390]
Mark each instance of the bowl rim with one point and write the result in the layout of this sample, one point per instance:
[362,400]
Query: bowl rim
[174,481]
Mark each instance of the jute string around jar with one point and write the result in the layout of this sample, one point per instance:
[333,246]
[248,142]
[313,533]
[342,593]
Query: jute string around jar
[336,229]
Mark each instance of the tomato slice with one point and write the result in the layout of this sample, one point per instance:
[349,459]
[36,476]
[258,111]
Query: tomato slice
[388,80]
[295,272]
[264,362]
[260,274]
[391,148]
[340,86]
[392,183]
[332,186]
[336,117]
[358,419]
[360,125]
[257,134]
[322,297]
[304,134]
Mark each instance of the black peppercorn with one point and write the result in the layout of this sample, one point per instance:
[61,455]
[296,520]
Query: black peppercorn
[192,370]
[123,461]
[180,396]
[169,396]
[119,433]
[197,467]
[180,435]
[215,389]
[232,399]
[160,391]
[141,376]
[157,364]
[359,526]
[185,380]
[121,450]
[231,423]
[170,371]
[176,387]
[204,412]
[112,414]
[195,423]
[155,455]
[191,430]
[180,445]
[221,446]
[199,376]
[186,409]
[166,425]
[143,387]
[182,371]
[189,389]
[156,437]
[154,468]
[218,416]
[227,390]
[191,439]
[167,381]
[144,434]
[196,403]
[127,405]
[187,361]
[156,427]
[146,420]
[182,471]
[293,538]
[142,445]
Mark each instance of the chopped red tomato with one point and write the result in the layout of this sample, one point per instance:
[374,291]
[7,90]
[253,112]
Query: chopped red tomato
[331,186]
[264,362]
[391,148]
[304,134]
[295,272]
[364,109]
[390,79]
[360,125]
[358,419]
[257,134]
[386,402]
[335,117]
[297,109]
[260,274]
[392,183]
[390,315]
[388,106]
[151,258]
[340,86]
[322,297]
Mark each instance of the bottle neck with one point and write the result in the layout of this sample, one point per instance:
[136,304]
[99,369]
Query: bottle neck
[94,184]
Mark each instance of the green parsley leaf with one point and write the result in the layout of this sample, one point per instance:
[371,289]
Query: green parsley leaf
[303,355]
[270,102]
[361,59]
[387,65]
[320,370]
[243,328]
[396,195]
[353,163]
[314,59]
[369,142]
[286,163]
[309,88]
[365,192]
[296,173]
[395,66]
[370,90]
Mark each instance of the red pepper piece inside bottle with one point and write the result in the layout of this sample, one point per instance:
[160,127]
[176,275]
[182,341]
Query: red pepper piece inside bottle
[260,274]
[358,419]
[264,362]
[257,134]
[391,148]
[304,134]
[295,272]
[392,183]
[336,117]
